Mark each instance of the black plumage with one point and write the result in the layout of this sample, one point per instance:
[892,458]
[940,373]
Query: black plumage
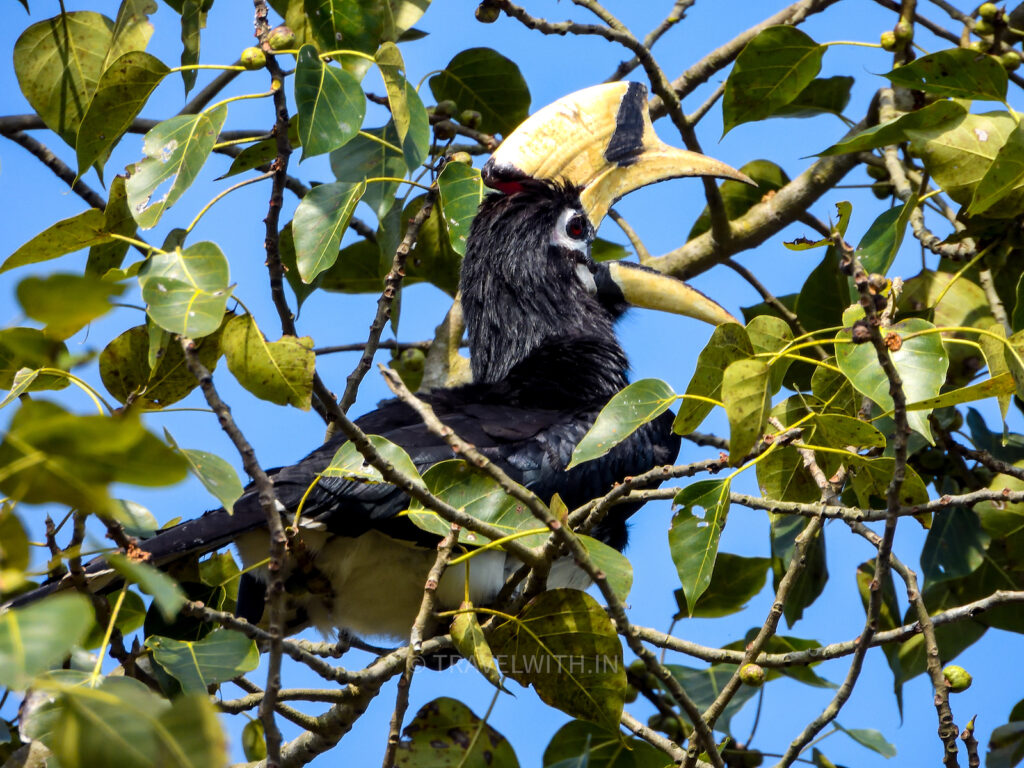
[540,314]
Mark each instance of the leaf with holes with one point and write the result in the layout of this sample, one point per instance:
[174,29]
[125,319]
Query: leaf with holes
[175,150]
[320,221]
[770,72]
[330,103]
[278,371]
[187,291]
[693,539]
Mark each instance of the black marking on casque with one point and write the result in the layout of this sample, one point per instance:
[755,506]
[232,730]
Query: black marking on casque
[627,142]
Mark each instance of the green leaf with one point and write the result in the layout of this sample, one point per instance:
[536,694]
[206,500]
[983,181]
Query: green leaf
[729,342]
[734,581]
[175,150]
[74,458]
[126,372]
[348,463]
[880,244]
[787,644]
[360,268]
[704,685]
[66,303]
[435,260]
[616,566]
[770,72]
[216,475]
[483,80]
[262,152]
[824,295]
[606,250]
[221,655]
[254,741]
[129,618]
[331,105]
[693,539]
[738,197]
[14,546]
[564,645]
[164,590]
[469,640]
[1013,354]
[1005,175]
[889,617]
[407,111]
[193,19]
[132,29]
[1001,386]
[810,583]
[461,190]
[746,392]
[939,115]
[823,95]
[958,72]
[38,636]
[31,348]
[958,156]
[120,95]
[871,478]
[1017,321]
[457,483]
[781,475]
[579,744]
[838,431]
[870,738]
[352,24]
[320,221]
[66,236]
[628,410]
[921,362]
[955,546]
[1006,744]
[446,734]
[117,219]
[279,371]
[374,153]
[187,291]
[58,63]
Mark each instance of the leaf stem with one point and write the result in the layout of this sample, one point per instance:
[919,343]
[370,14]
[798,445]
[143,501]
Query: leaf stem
[223,193]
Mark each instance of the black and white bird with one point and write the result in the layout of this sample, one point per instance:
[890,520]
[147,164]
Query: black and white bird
[540,315]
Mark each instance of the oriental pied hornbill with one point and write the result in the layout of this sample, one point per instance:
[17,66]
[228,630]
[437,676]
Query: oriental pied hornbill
[545,360]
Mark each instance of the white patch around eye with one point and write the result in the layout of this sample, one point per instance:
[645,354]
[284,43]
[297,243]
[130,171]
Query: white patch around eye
[560,239]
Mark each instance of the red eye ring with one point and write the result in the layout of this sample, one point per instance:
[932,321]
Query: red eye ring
[576,227]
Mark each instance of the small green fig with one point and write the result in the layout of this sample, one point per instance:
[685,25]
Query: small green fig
[888,40]
[446,108]
[281,38]
[253,58]
[1010,60]
[487,13]
[957,678]
[444,130]
[983,28]
[988,11]
[470,118]
[464,158]
[752,674]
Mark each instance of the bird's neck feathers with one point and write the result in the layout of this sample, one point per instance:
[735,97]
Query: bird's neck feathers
[526,309]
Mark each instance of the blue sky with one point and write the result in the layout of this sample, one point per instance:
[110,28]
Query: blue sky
[659,346]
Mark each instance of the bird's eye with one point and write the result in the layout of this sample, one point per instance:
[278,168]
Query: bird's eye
[576,227]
